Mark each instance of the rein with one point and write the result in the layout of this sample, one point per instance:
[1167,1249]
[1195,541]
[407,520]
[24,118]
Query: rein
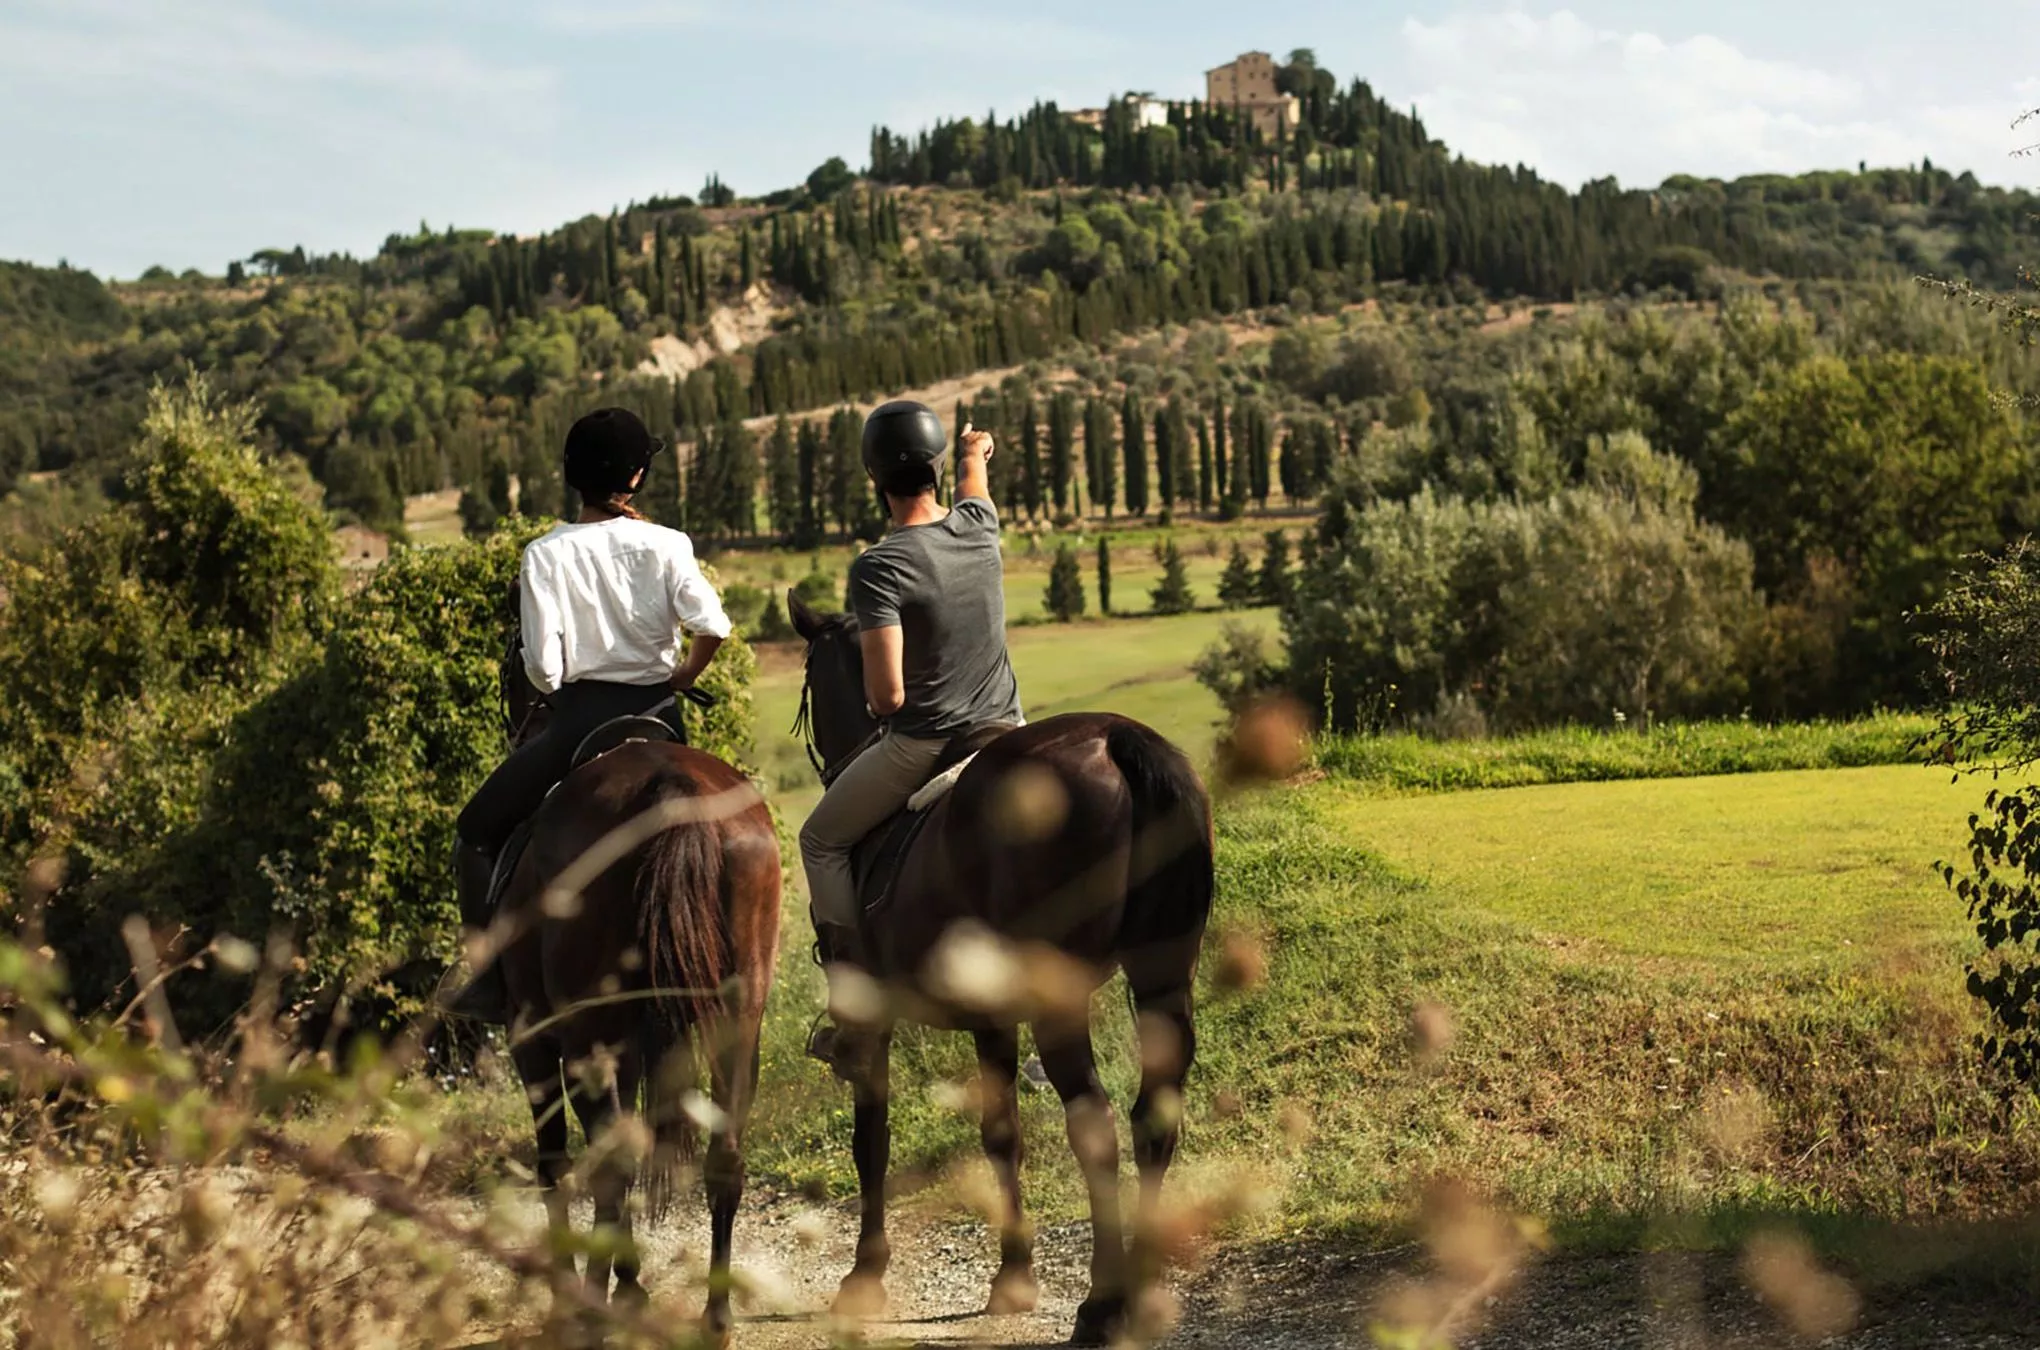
[511,667]
[804,727]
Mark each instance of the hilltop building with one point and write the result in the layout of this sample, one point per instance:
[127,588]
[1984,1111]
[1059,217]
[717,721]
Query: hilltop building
[1245,84]
[1148,111]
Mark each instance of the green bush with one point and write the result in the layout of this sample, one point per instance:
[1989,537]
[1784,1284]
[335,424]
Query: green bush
[1408,763]
[1064,598]
[1604,599]
[210,736]
[331,811]
[1987,648]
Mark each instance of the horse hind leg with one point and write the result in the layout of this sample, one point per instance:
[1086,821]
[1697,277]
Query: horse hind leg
[538,1068]
[1168,1047]
[1013,1289]
[734,1086]
[1067,1057]
[611,1170]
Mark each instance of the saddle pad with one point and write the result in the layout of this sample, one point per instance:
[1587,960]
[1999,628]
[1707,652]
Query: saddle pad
[938,787]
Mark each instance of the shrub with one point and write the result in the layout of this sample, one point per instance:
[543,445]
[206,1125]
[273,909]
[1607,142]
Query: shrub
[1272,584]
[1987,650]
[1606,597]
[210,737]
[1172,593]
[1238,668]
[1237,588]
[1064,598]
[330,810]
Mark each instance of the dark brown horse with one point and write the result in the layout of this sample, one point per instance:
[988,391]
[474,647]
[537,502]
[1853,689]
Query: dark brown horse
[1067,849]
[640,931]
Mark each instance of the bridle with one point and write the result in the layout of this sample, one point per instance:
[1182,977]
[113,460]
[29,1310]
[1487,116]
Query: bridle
[512,669]
[804,725]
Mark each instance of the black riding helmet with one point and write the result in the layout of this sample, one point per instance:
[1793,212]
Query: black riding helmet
[903,447]
[606,451]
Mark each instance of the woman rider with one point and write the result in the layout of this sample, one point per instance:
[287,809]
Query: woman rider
[603,601]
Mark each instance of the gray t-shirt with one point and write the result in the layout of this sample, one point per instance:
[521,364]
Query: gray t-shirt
[941,585]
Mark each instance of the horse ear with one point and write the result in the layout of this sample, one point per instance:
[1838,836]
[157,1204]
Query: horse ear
[806,622]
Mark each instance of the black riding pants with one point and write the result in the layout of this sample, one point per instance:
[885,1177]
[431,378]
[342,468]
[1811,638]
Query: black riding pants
[520,783]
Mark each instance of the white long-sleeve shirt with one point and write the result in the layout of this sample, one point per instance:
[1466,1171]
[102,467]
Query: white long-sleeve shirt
[608,600]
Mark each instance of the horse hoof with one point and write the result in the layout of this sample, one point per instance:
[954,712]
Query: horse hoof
[1012,1292]
[860,1297]
[1099,1321]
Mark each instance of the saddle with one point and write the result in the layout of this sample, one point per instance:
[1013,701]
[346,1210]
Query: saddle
[875,862]
[611,735]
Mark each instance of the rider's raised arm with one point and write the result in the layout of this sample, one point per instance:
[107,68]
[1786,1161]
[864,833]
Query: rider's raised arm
[541,627]
[973,450]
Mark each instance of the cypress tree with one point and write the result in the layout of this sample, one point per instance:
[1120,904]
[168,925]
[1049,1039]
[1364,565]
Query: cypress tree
[1205,472]
[1101,455]
[782,481]
[658,299]
[1218,466]
[1133,445]
[732,496]
[808,452]
[1260,464]
[1061,448]
[1186,468]
[1165,459]
[1104,575]
[750,260]
[845,474]
[1030,459]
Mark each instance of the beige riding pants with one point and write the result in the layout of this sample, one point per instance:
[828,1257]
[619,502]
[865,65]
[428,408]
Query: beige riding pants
[875,785]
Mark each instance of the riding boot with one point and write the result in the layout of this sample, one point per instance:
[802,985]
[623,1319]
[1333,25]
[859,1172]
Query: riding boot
[485,998]
[837,945]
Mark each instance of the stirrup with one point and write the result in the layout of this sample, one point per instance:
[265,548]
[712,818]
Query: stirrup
[825,1043]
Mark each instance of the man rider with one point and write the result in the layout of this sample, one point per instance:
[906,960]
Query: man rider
[930,606]
[603,602]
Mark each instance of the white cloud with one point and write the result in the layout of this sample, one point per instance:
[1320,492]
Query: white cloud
[903,27]
[236,52]
[1579,101]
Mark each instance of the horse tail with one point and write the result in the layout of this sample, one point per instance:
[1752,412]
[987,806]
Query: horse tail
[683,937]
[1172,869]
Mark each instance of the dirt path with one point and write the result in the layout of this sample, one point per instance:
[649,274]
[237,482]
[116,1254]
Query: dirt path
[1304,1295]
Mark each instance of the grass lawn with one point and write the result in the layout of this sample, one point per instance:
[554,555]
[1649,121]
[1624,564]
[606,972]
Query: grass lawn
[1205,547]
[1138,667]
[1816,869]
[1659,1035]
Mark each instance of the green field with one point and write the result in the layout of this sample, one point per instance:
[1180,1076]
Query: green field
[1813,870]
[1138,667]
[1204,546]
[1682,1008]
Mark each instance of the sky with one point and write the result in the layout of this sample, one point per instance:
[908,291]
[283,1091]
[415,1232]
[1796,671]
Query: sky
[190,132]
